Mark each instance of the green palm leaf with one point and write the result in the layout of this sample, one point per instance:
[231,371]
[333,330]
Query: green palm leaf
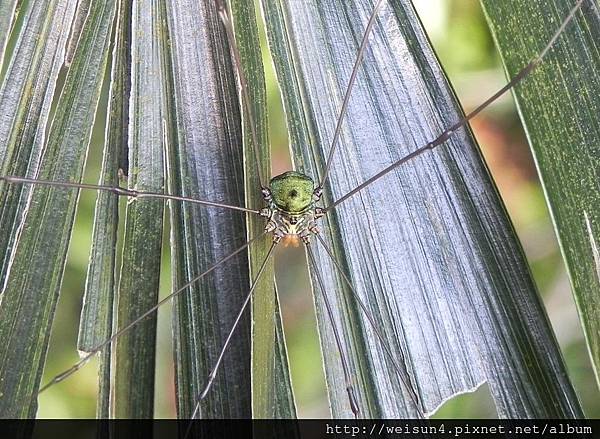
[33,281]
[559,106]
[429,247]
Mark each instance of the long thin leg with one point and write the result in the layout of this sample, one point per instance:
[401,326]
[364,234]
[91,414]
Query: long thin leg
[215,369]
[122,192]
[349,387]
[402,372]
[442,138]
[349,87]
[67,373]
[237,61]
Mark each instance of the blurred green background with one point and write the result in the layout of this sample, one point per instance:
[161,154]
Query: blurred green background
[460,37]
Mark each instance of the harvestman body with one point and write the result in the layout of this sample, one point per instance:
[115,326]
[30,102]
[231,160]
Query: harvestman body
[291,212]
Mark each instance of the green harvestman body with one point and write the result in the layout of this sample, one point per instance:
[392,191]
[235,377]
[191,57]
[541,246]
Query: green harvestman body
[293,207]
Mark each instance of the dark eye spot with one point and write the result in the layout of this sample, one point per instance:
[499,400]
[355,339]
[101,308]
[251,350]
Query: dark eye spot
[293,193]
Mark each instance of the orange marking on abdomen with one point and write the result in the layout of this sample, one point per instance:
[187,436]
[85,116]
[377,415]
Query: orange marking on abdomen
[292,240]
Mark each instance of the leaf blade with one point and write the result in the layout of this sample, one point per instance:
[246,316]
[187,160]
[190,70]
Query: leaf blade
[272,395]
[97,316]
[36,272]
[434,240]
[27,91]
[205,122]
[135,351]
[8,11]
[558,105]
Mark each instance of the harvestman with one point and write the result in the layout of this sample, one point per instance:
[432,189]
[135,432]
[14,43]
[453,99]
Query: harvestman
[292,212]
